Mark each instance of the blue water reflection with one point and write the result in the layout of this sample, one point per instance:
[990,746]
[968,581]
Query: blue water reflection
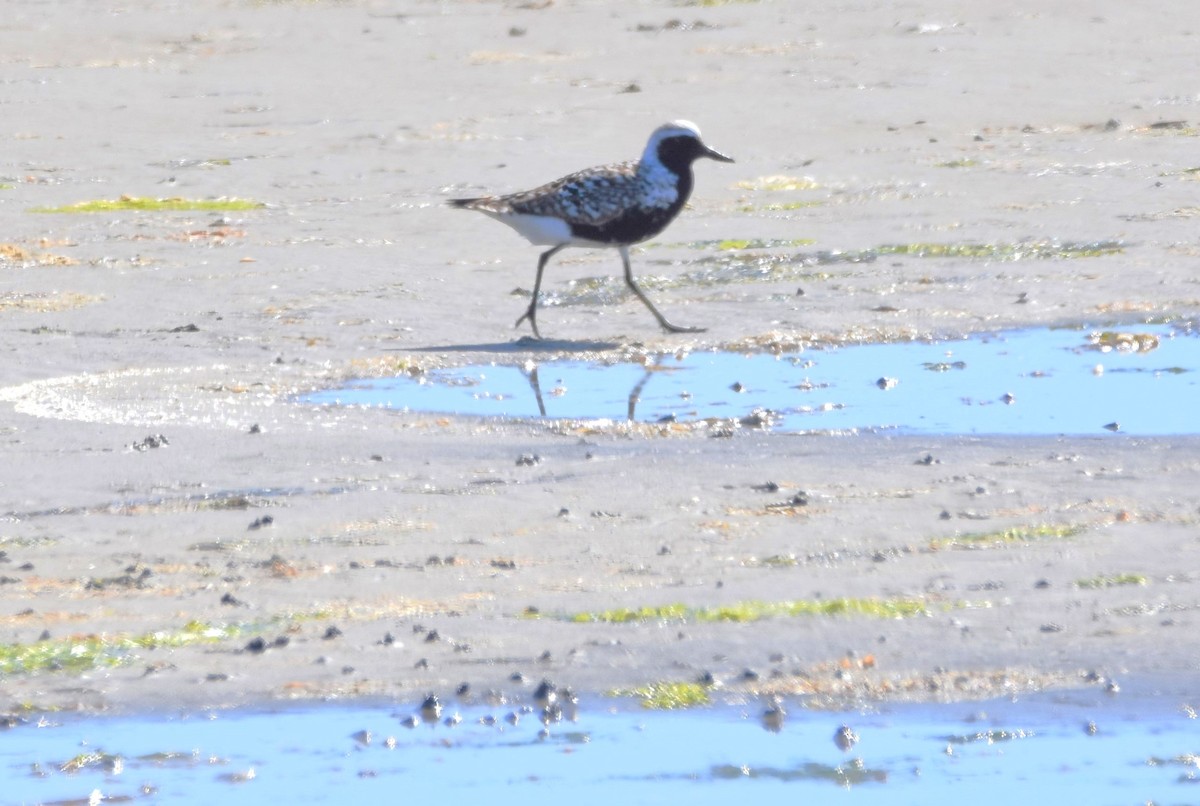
[998,752]
[1020,382]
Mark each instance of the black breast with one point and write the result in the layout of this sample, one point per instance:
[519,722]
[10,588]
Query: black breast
[634,225]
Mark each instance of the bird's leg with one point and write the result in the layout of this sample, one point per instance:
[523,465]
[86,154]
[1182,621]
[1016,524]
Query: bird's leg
[531,312]
[662,320]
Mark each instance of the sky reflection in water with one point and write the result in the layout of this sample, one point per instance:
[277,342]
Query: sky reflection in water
[981,753]
[1021,382]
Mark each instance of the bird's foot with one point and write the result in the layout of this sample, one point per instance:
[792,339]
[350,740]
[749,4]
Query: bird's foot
[531,315]
[672,328]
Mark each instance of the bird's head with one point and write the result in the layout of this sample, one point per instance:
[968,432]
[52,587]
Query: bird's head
[678,144]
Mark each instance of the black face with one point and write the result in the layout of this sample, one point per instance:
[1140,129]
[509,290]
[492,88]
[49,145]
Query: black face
[678,153]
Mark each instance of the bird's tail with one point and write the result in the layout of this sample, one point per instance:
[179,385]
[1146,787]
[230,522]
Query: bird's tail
[462,204]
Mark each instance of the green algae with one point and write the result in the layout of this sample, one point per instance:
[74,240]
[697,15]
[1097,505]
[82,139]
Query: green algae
[148,204]
[81,653]
[623,615]
[1028,250]
[1015,535]
[747,611]
[780,207]
[1096,582]
[667,696]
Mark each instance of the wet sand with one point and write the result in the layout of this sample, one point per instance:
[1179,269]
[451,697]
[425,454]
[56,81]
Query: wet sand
[352,123]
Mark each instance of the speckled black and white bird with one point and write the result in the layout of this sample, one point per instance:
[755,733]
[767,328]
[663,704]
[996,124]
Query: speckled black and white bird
[613,206]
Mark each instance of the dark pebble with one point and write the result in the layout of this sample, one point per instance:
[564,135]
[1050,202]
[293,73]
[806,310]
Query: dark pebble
[551,714]
[845,738]
[151,441]
[431,709]
[545,694]
[773,718]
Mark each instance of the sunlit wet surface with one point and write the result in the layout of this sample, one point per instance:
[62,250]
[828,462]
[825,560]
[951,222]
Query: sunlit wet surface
[1137,380]
[734,261]
[1075,748]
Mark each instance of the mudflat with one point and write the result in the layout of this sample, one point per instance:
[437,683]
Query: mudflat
[180,531]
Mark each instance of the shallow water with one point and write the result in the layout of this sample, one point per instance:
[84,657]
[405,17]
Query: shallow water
[993,752]
[1020,382]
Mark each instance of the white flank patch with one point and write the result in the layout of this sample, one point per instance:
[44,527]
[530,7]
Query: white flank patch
[541,230]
